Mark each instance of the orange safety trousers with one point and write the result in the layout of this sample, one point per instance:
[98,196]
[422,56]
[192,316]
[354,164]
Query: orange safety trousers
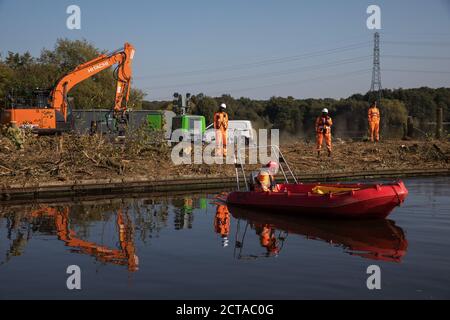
[323,130]
[374,130]
[319,140]
[221,126]
[374,124]
[221,142]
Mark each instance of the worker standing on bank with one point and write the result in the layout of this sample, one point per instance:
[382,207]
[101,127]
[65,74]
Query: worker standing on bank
[221,127]
[323,131]
[374,122]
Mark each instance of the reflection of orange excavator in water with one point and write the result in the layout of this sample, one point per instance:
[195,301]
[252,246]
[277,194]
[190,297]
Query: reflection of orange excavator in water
[126,255]
[369,239]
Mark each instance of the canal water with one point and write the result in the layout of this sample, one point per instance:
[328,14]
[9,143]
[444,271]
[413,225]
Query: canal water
[193,247]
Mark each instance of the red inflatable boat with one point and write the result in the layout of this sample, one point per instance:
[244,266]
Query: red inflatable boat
[363,201]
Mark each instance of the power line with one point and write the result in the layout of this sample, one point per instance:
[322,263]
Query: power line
[287,59]
[417,71]
[268,74]
[418,43]
[261,63]
[415,57]
[414,34]
[321,78]
[267,62]
[340,75]
[259,55]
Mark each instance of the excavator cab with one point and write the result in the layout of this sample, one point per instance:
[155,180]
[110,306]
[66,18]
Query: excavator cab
[34,111]
[38,98]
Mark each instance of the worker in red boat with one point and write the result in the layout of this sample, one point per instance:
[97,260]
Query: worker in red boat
[264,179]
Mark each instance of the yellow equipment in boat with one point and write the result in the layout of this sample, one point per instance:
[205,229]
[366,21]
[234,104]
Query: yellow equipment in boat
[327,190]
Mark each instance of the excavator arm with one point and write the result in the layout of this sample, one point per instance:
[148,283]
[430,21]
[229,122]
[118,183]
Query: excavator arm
[122,57]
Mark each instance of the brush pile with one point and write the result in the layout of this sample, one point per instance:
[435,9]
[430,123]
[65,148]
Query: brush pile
[27,158]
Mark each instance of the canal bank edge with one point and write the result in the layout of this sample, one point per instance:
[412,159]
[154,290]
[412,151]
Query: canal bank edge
[52,190]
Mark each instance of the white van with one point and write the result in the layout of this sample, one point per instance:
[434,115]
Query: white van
[236,129]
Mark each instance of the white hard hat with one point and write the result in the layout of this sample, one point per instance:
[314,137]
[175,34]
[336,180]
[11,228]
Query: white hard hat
[325,110]
[225,242]
[223,106]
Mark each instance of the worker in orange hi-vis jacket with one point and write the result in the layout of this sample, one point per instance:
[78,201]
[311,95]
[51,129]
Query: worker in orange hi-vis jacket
[221,127]
[374,122]
[264,179]
[323,130]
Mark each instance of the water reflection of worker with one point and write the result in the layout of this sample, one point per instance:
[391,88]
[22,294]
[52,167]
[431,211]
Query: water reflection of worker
[222,223]
[264,179]
[267,239]
[188,205]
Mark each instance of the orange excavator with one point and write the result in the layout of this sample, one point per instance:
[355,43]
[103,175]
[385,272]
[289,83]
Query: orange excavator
[125,256]
[52,113]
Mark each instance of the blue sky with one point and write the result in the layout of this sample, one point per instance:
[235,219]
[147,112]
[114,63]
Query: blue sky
[253,48]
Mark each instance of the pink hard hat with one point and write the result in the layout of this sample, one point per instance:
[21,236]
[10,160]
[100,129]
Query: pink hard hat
[272,165]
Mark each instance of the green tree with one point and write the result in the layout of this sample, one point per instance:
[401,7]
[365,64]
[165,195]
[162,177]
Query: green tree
[393,112]
[206,106]
[6,78]
[285,114]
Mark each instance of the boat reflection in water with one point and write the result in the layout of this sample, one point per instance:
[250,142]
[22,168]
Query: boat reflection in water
[110,230]
[370,239]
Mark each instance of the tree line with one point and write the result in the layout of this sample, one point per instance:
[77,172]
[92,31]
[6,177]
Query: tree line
[297,116]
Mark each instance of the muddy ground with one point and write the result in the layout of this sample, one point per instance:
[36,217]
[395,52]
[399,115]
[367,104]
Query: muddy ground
[69,157]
